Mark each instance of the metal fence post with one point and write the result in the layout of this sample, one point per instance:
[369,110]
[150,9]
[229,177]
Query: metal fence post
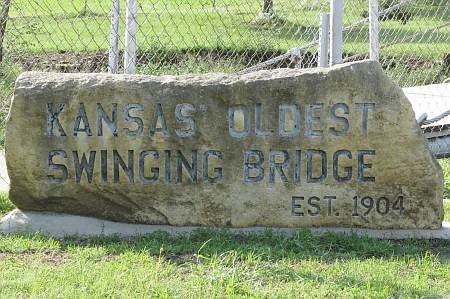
[4,11]
[113,61]
[324,33]
[130,37]
[374,29]
[336,45]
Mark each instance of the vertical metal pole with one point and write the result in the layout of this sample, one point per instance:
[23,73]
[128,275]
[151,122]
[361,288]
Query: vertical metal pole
[4,12]
[113,61]
[336,45]
[130,37]
[374,30]
[268,6]
[324,33]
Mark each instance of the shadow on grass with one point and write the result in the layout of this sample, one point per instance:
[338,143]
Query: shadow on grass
[267,245]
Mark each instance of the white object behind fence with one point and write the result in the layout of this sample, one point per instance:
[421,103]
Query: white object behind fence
[130,37]
[113,59]
[324,33]
[336,45]
[374,30]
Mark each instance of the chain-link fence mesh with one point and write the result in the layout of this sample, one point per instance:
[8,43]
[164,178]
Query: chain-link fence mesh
[180,36]
[198,36]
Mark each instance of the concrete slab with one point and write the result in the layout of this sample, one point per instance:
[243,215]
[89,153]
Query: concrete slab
[61,225]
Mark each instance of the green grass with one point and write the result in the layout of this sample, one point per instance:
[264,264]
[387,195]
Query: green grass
[214,263]
[5,204]
[447,211]
[445,164]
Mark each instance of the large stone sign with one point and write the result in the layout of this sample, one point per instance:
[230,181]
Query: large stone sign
[281,148]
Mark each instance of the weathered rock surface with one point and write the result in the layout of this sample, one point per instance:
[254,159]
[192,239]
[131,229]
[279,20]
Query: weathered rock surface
[285,148]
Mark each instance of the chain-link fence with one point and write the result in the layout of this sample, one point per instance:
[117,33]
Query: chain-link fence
[198,36]
[184,36]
